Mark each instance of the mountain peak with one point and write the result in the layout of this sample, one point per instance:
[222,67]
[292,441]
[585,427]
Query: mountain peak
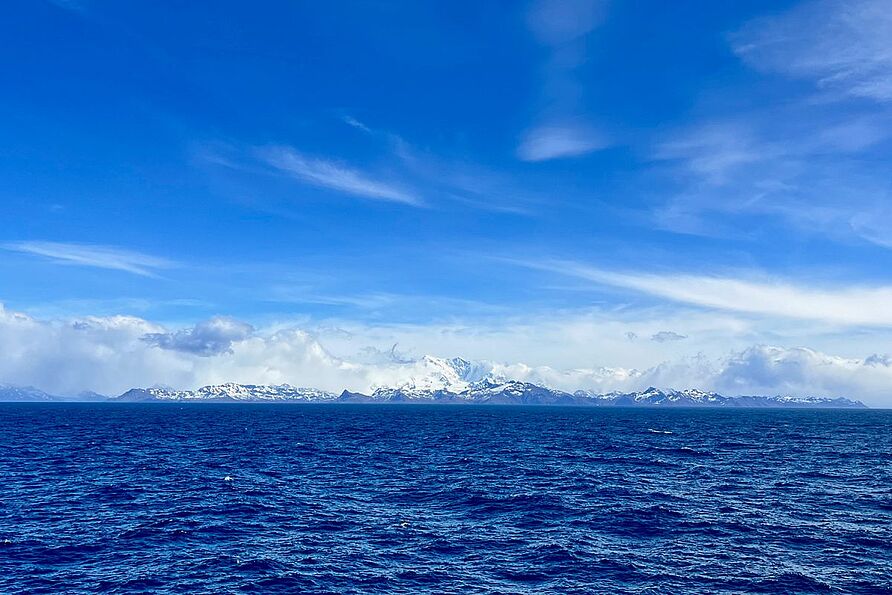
[446,380]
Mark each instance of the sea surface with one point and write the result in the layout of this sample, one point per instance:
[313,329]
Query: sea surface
[209,498]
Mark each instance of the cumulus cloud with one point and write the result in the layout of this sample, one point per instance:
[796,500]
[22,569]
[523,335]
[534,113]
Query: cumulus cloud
[762,369]
[111,354]
[878,360]
[211,337]
[667,336]
[757,370]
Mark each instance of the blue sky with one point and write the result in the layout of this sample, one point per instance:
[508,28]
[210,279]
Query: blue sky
[627,184]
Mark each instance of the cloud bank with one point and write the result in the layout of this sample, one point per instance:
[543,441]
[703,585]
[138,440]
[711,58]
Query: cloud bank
[112,354]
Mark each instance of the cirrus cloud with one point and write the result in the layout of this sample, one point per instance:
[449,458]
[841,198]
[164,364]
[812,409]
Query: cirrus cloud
[336,176]
[93,255]
[551,141]
[839,44]
[849,305]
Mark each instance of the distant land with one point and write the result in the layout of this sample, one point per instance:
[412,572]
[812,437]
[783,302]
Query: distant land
[511,392]
[506,393]
[448,381]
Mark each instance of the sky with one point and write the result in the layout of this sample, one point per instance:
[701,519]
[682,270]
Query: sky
[584,193]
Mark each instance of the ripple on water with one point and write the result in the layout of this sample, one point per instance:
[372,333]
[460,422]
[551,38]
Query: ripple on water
[390,499]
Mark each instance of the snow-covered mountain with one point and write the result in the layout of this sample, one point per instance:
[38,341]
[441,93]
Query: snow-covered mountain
[431,374]
[487,390]
[697,398]
[524,393]
[456,380]
[229,391]
[9,392]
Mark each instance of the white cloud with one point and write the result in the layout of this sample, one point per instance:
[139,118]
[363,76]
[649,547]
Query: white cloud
[335,176]
[555,141]
[207,338]
[715,150]
[560,339]
[851,305]
[815,172]
[91,255]
[736,150]
[351,121]
[457,180]
[757,370]
[874,224]
[666,336]
[810,161]
[445,179]
[112,354]
[841,45]
[464,182]
[802,371]
[562,129]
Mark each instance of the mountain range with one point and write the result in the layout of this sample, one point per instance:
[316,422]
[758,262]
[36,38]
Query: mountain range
[452,381]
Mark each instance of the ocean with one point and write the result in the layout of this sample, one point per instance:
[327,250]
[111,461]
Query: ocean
[272,498]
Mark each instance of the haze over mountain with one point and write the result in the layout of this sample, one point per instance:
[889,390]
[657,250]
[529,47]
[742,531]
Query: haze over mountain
[445,381]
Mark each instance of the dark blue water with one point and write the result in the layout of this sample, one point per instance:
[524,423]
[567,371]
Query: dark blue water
[442,499]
